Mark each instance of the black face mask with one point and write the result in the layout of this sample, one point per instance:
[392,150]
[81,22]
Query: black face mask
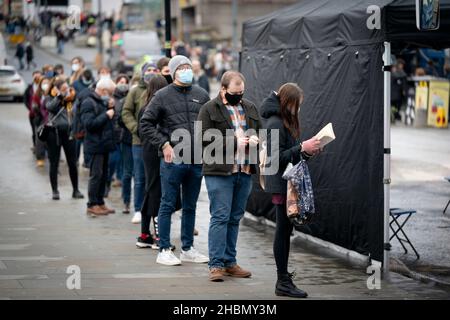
[233,99]
[168,78]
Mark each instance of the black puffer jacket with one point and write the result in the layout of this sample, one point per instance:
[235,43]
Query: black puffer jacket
[172,108]
[288,150]
[121,133]
[99,128]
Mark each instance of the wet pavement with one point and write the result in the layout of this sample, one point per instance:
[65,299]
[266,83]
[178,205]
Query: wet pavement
[420,161]
[41,238]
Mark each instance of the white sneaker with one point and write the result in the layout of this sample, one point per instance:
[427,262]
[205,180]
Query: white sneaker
[137,218]
[193,256]
[166,257]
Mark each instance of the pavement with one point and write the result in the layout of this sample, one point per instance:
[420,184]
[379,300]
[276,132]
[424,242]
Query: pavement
[40,239]
[420,161]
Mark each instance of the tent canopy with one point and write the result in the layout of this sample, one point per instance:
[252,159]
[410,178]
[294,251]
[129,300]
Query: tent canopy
[331,23]
[327,48]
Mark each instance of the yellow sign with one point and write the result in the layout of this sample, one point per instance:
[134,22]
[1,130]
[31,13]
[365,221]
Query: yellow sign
[421,97]
[438,104]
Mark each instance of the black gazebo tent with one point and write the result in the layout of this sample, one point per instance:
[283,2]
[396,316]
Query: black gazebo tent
[333,49]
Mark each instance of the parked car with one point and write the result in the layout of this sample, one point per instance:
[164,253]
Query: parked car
[12,85]
[134,45]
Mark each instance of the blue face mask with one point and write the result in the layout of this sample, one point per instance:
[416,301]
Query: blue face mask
[105,99]
[186,76]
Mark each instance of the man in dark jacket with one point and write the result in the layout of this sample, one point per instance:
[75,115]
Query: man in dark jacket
[228,178]
[97,112]
[176,107]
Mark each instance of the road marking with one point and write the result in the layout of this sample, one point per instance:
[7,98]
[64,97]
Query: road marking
[24,277]
[155,275]
[36,258]
[13,247]
[21,213]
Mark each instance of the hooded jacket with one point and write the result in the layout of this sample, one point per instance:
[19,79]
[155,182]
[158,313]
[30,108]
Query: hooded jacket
[99,137]
[288,149]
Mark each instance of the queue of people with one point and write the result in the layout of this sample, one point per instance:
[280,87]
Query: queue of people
[127,128]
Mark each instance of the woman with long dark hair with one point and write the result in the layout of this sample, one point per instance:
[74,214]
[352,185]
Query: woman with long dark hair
[150,206]
[61,96]
[38,105]
[281,113]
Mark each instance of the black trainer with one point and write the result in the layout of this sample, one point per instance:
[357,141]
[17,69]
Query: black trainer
[77,195]
[147,243]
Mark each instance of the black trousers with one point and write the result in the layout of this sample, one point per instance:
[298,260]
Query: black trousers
[282,241]
[98,175]
[33,130]
[152,198]
[56,140]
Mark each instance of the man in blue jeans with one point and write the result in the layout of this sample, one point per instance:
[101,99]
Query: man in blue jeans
[228,179]
[176,107]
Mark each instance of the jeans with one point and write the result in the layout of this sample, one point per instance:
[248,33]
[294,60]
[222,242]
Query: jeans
[60,45]
[127,174]
[228,197]
[115,164]
[57,139]
[189,178]
[139,177]
[98,175]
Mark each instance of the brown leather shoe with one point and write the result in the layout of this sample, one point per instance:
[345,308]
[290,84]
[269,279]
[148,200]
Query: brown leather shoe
[96,211]
[109,210]
[237,272]
[216,275]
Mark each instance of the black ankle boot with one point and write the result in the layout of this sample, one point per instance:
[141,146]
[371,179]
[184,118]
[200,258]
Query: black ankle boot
[55,195]
[285,287]
[77,195]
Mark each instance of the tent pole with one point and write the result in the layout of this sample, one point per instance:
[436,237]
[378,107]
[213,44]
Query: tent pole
[387,156]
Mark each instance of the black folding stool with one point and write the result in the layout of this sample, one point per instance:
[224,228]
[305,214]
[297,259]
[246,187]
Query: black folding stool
[397,227]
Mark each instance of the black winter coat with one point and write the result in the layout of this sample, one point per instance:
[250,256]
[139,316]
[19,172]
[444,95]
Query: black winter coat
[54,105]
[172,108]
[99,137]
[122,134]
[289,147]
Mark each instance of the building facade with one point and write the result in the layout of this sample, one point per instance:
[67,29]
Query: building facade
[211,20]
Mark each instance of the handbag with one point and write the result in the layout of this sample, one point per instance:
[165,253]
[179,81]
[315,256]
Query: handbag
[45,128]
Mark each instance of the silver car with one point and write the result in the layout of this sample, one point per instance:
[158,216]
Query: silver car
[12,85]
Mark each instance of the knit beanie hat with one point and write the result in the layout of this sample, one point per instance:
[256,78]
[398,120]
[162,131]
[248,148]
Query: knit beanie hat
[176,62]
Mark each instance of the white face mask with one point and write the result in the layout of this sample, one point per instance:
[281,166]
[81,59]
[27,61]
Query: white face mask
[44,87]
[75,67]
[105,76]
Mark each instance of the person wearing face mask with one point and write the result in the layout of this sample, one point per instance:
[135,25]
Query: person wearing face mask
[97,113]
[163,66]
[229,183]
[126,140]
[115,156]
[41,113]
[85,81]
[59,105]
[176,107]
[281,113]
[28,98]
[104,73]
[83,87]
[134,102]
[77,69]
